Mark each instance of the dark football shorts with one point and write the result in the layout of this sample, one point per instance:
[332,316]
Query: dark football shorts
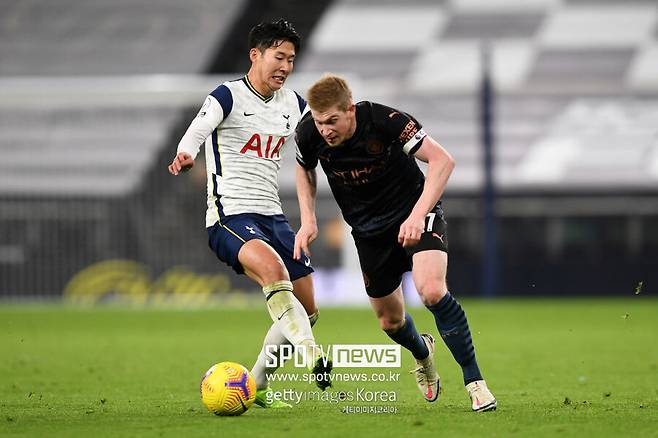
[227,238]
[383,260]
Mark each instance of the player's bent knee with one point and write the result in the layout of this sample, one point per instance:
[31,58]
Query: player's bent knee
[273,271]
[390,325]
[431,292]
[262,263]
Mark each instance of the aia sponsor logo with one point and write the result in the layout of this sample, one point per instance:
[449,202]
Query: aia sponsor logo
[265,147]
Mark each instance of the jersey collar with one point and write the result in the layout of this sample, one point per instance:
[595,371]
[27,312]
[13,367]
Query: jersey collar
[250,86]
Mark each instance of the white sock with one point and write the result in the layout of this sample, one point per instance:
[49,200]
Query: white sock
[273,337]
[288,313]
[260,370]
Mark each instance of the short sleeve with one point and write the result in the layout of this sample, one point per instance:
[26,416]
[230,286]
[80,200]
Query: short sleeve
[302,103]
[303,138]
[399,128]
[223,95]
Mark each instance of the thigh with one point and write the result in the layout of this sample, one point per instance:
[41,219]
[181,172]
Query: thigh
[429,271]
[383,261]
[227,238]
[430,258]
[261,263]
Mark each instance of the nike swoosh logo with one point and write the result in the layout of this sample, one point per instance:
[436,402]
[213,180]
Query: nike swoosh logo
[287,310]
[248,114]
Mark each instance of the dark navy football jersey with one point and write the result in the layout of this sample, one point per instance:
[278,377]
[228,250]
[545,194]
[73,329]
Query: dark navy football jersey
[373,175]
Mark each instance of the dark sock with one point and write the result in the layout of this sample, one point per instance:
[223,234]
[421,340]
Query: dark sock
[453,327]
[408,337]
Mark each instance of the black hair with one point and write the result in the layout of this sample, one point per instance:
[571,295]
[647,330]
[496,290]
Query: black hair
[265,35]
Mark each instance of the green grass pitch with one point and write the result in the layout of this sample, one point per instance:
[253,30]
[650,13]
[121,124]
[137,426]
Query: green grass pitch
[569,368]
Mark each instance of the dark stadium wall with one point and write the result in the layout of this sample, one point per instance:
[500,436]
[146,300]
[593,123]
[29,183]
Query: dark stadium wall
[232,56]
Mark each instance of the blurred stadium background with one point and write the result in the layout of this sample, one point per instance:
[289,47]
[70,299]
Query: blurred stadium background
[95,95]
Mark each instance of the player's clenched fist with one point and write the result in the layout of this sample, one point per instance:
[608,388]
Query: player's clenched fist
[410,231]
[182,163]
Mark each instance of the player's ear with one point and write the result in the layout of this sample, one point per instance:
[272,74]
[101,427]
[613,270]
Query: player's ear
[254,53]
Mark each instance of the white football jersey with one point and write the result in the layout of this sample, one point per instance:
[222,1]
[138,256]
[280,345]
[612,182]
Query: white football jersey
[245,136]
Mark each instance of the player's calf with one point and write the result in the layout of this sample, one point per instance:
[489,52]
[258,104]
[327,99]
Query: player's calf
[456,334]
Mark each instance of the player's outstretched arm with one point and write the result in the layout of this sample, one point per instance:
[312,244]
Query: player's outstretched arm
[182,163]
[207,120]
[306,191]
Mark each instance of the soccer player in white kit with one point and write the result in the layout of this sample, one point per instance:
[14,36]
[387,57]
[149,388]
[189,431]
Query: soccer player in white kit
[246,125]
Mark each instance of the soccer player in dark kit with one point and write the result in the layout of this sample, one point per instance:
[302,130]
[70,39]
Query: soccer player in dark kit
[368,152]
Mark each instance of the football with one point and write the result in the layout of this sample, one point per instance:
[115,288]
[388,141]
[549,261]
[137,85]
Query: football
[228,388]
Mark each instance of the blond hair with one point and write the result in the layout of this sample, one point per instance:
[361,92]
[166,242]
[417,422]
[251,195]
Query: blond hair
[330,90]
